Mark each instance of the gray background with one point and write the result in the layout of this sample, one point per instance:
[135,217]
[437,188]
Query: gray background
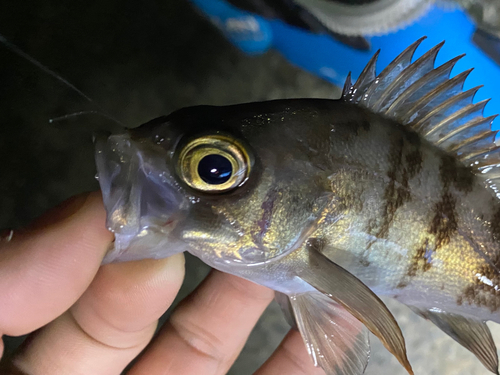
[138,61]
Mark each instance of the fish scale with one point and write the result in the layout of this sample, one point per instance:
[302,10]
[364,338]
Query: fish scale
[398,195]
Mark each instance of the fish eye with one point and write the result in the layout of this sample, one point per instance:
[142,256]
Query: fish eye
[215,169]
[214,163]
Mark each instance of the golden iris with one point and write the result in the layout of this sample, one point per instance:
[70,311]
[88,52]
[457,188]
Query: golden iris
[214,163]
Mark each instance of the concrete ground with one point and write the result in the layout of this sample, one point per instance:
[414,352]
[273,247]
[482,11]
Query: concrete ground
[137,63]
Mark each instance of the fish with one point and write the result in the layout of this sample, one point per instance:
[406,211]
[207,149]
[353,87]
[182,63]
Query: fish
[391,190]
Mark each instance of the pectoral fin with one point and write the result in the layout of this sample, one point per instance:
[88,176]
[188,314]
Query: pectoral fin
[348,291]
[335,340]
[472,334]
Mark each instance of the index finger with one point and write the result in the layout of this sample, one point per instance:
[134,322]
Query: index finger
[46,268]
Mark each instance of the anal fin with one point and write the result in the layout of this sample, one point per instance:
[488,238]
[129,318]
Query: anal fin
[336,341]
[472,334]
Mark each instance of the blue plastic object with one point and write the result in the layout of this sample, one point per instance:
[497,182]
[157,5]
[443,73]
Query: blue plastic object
[332,60]
[249,32]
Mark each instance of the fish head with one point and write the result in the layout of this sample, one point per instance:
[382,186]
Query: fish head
[231,185]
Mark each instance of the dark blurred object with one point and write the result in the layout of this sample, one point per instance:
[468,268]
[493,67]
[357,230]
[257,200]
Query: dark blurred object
[485,13]
[295,15]
[489,43]
[339,18]
[351,21]
[365,17]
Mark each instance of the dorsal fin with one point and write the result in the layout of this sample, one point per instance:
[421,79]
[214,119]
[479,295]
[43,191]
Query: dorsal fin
[428,100]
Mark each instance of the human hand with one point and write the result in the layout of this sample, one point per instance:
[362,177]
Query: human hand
[96,320]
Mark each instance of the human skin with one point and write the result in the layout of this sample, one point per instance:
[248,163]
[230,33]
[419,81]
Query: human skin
[84,318]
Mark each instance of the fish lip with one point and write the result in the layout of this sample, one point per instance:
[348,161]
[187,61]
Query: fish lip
[140,195]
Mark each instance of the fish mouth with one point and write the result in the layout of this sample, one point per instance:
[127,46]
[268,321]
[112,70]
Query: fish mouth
[142,201]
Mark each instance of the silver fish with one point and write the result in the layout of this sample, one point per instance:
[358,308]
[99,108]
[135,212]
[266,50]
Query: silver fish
[390,190]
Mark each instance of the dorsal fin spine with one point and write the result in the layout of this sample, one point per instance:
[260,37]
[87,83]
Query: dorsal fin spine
[429,56]
[347,90]
[476,125]
[365,78]
[459,148]
[491,172]
[402,61]
[456,82]
[431,103]
[445,69]
[471,108]
[483,153]
[407,54]
[464,96]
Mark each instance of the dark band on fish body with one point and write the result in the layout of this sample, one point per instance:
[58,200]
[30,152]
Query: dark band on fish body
[395,196]
[361,125]
[352,124]
[405,161]
[348,188]
[414,162]
[444,223]
[421,260]
[413,158]
[453,172]
[484,291]
[481,293]
[411,137]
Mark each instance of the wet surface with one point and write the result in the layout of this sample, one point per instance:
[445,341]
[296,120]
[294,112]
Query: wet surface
[138,63]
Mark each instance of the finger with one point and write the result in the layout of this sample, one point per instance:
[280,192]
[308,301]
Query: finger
[110,324]
[208,330]
[51,264]
[290,358]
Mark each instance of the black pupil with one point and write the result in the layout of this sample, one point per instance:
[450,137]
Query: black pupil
[215,169]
